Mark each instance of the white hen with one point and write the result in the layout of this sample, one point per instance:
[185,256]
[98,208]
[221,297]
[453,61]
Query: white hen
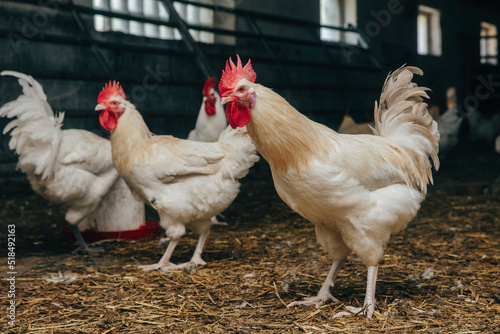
[71,167]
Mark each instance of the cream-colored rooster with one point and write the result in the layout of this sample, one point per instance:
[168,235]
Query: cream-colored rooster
[356,189]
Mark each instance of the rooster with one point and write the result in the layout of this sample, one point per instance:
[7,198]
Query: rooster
[211,118]
[186,182]
[72,167]
[356,189]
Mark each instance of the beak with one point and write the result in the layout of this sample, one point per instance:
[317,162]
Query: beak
[226,99]
[100,107]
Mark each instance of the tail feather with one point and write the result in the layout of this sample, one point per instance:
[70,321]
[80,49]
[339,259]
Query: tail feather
[242,151]
[31,88]
[35,131]
[402,117]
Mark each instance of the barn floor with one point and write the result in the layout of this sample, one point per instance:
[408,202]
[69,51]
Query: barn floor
[440,275]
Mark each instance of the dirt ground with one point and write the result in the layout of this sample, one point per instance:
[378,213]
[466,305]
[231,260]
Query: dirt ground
[440,275]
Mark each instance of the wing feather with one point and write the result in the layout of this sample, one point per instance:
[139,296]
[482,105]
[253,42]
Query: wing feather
[170,160]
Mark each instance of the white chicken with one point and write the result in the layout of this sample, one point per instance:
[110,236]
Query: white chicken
[72,167]
[356,189]
[449,124]
[187,182]
[211,119]
[349,126]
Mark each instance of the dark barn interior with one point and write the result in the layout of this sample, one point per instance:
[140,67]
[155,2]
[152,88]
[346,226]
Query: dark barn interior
[328,59]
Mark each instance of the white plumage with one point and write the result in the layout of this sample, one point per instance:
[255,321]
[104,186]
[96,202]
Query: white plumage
[71,167]
[356,189]
[186,182]
[209,126]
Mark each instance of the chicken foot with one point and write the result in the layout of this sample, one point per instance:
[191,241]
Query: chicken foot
[82,245]
[324,293]
[199,249]
[165,265]
[369,305]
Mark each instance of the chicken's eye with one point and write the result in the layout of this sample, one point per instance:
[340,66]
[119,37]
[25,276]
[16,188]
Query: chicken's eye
[241,89]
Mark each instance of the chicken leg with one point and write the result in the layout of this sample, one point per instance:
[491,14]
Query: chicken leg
[82,245]
[369,305]
[165,265]
[324,293]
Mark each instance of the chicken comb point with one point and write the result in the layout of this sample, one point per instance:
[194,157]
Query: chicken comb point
[209,84]
[111,89]
[234,73]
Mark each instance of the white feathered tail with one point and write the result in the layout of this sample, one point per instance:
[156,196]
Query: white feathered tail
[402,117]
[35,131]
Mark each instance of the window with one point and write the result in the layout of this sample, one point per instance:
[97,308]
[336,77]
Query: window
[428,31]
[154,9]
[488,44]
[338,13]
[147,8]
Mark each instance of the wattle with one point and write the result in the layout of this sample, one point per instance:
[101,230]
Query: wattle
[237,115]
[108,120]
[209,108]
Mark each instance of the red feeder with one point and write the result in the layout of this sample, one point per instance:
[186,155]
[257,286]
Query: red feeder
[91,235]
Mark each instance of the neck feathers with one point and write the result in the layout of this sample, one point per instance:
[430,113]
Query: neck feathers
[285,138]
[129,139]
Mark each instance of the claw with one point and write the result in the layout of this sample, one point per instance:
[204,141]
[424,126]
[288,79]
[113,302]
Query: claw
[366,310]
[148,267]
[317,301]
[324,293]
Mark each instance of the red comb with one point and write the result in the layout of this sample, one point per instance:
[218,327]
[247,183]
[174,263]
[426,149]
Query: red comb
[110,89]
[234,73]
[209,84]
